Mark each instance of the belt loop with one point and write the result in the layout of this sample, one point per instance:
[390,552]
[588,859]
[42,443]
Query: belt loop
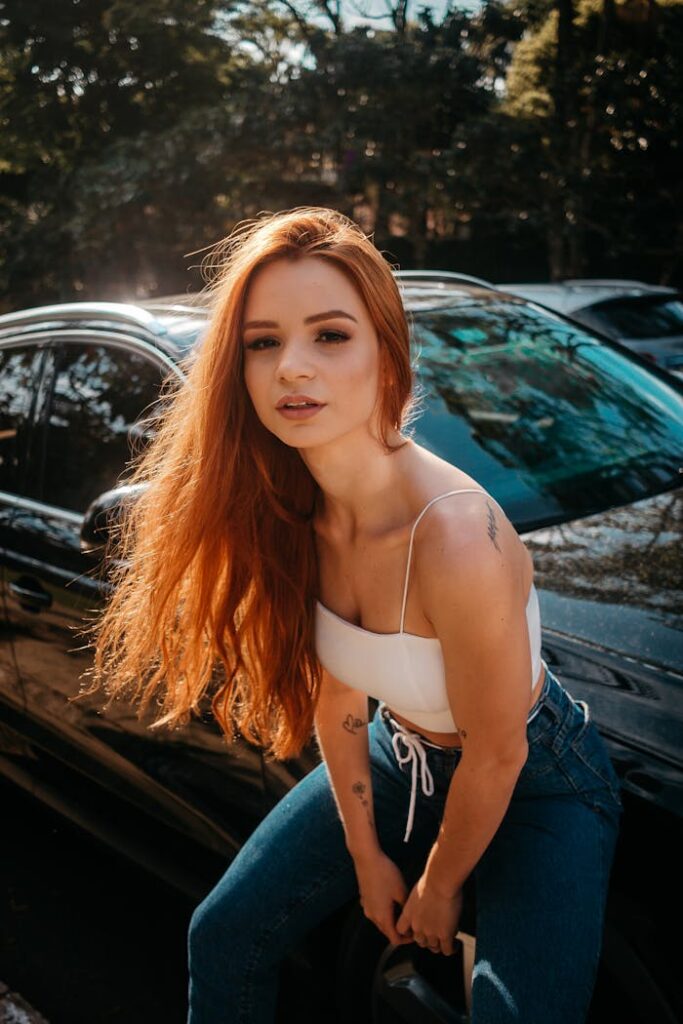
[569,707]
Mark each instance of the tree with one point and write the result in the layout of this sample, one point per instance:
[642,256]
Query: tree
[608,159]
[79,96]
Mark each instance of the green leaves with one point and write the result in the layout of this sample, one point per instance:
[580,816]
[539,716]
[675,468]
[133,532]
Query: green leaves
[133,134]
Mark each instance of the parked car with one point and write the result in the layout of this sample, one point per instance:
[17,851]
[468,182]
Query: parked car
[582,443]
[647,318]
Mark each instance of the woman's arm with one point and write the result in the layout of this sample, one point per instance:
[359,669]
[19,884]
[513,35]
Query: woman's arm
[473,587]
[341,725]
[479,615]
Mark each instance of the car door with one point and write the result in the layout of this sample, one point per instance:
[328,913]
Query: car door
[87,431]
[93,396]
[21,366]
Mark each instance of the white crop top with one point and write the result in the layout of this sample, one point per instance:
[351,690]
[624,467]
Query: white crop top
[403,670]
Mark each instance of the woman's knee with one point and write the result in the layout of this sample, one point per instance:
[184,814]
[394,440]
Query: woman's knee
[215,922]
[206,932]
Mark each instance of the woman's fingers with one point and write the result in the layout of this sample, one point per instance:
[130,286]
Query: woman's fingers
[391,933]
[435,944]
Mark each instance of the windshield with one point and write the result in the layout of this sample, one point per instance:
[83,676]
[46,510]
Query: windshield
[552,421]
[638,318]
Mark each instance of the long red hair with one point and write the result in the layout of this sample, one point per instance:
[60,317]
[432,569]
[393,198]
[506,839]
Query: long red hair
[213,568]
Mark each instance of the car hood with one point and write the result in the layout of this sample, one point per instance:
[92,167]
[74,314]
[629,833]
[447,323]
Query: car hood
[614,580]
[611,601]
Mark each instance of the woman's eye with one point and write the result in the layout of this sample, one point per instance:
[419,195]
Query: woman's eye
[257,343]
[334,336]
[330,337]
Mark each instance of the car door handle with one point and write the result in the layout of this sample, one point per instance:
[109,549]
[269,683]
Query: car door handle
[29,595]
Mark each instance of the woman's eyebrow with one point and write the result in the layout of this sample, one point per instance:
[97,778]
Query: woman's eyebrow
[309,319]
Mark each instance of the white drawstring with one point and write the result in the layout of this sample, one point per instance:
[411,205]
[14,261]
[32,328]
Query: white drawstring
[414,751]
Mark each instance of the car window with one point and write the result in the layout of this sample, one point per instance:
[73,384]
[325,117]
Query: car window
[640,318]
[552,420]
[19,378]
[99,396]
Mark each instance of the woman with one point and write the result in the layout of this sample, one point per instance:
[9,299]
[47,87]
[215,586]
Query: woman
[318,555]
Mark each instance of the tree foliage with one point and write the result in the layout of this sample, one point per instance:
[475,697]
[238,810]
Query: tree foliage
[604,138]
[537,135]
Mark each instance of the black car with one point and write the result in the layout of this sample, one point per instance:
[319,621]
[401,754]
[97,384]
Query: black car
[582,443]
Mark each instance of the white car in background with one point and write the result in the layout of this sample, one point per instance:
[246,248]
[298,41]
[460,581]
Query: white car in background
[647,318]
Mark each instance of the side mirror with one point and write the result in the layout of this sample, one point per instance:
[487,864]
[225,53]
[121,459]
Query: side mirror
[103,513]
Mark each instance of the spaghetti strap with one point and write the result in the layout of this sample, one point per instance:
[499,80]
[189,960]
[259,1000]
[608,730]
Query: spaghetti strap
[462,490]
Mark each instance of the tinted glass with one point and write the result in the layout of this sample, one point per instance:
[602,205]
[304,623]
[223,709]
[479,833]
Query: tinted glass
[99,393]
[19,377]
[551,420]
[651,318]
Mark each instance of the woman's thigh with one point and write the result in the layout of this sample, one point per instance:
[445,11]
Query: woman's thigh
[541,892]
[542,882]
[293,870]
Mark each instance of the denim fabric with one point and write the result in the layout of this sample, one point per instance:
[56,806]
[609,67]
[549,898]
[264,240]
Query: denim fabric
[541,884]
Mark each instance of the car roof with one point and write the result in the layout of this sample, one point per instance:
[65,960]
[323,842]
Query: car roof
[170,324]
[173,321]
[571,295]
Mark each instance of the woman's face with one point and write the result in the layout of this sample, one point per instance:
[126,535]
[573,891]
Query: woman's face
[306,332]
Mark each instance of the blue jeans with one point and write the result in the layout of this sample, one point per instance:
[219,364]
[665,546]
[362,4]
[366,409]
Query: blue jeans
[541,884]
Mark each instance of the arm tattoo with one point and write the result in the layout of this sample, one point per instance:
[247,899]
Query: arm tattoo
[351,724]
[492,528]
[359,789]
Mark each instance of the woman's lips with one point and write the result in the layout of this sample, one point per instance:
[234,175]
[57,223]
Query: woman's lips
[304,413]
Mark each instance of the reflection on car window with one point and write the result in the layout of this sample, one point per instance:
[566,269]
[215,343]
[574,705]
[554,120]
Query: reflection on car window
[653,318]
[99,396]
[549,418]
[19,375]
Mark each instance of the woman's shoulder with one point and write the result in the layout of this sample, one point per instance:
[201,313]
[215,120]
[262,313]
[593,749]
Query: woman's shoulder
[452,501]
[466,531]
[474,562]
[469,517]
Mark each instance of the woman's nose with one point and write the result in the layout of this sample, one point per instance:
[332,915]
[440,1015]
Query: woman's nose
[294,362]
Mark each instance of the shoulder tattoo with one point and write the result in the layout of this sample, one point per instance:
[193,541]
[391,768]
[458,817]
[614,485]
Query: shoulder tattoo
[492,525]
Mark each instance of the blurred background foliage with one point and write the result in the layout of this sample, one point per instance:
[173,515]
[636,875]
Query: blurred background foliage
[518,140]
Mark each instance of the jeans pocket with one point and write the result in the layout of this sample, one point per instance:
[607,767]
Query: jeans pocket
[540,732]
[541,725]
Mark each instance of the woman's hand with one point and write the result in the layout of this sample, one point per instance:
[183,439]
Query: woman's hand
[430,918]
[381,886]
